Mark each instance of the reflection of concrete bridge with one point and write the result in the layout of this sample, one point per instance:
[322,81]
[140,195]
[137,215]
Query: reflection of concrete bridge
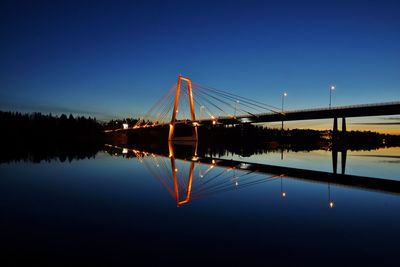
[220,107]
[182,180]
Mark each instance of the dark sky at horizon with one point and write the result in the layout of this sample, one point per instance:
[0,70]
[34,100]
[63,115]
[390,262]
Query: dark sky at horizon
[117,58]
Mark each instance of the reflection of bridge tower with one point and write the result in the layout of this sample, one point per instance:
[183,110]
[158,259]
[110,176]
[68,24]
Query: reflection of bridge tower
[171,136]
[175,177]
[186,177]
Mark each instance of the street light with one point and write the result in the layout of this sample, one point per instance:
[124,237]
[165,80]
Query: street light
[283,100]
[331,88]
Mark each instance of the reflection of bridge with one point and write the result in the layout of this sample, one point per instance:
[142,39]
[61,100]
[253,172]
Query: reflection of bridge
[220,107]
[188,175]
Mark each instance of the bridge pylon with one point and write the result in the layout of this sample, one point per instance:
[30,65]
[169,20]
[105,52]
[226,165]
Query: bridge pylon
[171,135]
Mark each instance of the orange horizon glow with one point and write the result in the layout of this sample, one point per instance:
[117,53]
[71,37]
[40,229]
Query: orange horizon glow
[352,124]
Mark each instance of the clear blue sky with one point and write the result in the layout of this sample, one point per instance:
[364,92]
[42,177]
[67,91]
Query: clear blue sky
[116,58]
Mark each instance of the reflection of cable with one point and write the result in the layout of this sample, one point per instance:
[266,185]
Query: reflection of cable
[177,177]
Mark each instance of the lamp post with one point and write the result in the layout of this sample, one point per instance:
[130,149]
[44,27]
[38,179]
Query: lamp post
[283,101]
[331,88]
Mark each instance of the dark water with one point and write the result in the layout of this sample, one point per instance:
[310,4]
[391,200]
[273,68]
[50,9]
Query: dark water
[123,207]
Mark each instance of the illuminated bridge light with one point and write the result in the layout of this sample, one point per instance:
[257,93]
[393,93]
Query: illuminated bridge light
[244,166]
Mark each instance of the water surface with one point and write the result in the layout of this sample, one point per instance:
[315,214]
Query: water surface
[119,209]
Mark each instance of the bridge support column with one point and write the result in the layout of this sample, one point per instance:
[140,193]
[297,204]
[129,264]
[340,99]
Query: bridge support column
[343,124]
[335,128]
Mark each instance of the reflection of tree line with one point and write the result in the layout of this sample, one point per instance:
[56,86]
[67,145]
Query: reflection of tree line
[36,137]
[248,139]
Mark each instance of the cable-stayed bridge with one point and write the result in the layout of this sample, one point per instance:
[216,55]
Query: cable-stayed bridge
[194,104]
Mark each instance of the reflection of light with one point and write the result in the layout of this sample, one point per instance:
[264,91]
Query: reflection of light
[176,170]
[115,154]
[124,151]
[195,124]
[244,165]
[125,126]
[236,183]
[283,194]
[331,204]
[158,165]
[213,161]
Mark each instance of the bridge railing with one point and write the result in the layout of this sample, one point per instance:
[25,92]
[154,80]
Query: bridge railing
[326,109]
[287,112]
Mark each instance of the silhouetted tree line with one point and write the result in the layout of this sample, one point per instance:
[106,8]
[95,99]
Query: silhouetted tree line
[362,140]
[118,124]
[37,137]
[248,139]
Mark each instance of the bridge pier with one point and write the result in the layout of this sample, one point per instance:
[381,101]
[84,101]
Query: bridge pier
[335,127]
[343,124]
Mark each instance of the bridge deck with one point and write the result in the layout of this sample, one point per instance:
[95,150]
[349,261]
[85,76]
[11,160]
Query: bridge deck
[391,108]
[379,109]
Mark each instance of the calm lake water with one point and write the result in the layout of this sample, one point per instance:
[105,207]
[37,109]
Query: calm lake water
[125,208]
